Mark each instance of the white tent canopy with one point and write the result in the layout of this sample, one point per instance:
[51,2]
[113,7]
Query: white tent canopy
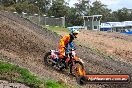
[116,24]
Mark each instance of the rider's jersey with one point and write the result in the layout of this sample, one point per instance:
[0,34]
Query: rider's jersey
[65,42]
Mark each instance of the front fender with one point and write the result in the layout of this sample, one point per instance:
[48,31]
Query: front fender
[78,59]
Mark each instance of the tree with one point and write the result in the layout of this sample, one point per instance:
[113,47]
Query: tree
[100,9]
[114,16]
[7,3]
[72,18]
[26,7]
[42,4]
[58,8]
[83,7]
[123,14]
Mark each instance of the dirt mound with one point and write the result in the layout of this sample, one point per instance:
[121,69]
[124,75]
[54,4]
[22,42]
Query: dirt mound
[25,44]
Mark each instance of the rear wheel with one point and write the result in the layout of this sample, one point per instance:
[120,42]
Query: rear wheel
[77,69]
[48,59]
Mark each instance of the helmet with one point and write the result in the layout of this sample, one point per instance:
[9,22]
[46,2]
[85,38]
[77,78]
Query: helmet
[74,33]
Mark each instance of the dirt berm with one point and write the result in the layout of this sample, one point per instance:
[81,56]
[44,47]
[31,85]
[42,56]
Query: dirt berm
[25,44]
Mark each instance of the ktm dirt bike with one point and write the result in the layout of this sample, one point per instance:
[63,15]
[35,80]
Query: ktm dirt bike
[74,63]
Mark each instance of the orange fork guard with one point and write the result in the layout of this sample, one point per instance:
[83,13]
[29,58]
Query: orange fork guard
[82,72]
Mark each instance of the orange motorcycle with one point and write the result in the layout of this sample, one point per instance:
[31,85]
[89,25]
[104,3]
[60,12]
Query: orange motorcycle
[73,63]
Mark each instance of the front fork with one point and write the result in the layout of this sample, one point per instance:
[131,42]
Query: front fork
[80,71]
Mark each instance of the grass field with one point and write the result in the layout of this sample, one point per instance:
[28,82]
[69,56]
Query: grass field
[57,29]
[14,73]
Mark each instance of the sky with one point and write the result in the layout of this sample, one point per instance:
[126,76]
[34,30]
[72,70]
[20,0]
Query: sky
[111,4]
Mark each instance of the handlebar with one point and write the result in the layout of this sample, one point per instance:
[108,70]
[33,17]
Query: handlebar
[71,49]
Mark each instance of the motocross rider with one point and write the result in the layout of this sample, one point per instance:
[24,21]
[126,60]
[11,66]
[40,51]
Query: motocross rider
[65,43]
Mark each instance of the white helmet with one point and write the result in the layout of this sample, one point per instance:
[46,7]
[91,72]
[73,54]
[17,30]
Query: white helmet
[74,33]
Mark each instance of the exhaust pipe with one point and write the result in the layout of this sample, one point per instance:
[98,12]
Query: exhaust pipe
[52,61]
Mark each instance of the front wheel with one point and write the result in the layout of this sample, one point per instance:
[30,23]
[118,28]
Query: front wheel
[77,69]
[81,80]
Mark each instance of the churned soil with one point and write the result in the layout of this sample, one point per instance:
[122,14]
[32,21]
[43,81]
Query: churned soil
[118,45]
[25,44]
[6,84]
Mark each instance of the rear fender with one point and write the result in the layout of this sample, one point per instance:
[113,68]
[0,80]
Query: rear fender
[54,53]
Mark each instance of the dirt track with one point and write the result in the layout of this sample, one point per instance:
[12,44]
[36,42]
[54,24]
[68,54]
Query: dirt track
[25,44]
[6,84]
[115,44]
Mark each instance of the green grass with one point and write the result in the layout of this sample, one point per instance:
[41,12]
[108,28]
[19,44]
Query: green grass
[57,29]
[53,84]
[15,73]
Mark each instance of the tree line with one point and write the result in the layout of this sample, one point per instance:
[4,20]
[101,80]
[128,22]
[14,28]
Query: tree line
[61,8]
